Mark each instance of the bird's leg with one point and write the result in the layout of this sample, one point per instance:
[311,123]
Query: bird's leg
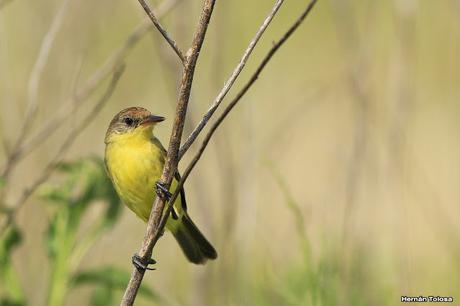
[137,261]
[162,191]
[142,265]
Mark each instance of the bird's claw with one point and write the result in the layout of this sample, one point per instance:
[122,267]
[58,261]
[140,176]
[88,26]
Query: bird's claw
[162,191]
[142,265]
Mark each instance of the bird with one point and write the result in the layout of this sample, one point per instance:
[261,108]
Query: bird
[134,160]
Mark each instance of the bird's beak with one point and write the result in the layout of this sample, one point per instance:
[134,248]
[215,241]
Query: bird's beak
[152,119]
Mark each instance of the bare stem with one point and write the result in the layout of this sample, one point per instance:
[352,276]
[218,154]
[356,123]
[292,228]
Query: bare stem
[157,219]
[70,139]
[232,104]
[67,109]
[34,83]
[172,157]
[229,83]
[163,32]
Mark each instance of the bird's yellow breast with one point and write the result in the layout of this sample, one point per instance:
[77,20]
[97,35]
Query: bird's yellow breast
[135,163]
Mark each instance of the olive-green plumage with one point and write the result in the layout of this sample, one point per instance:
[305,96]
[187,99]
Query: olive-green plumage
[134,159]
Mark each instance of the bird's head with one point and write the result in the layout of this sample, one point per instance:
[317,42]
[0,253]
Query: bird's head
[132,121]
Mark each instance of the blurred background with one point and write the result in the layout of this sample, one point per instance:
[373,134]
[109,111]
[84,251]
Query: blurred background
[335,181]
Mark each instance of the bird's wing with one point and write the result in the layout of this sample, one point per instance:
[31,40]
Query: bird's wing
[158,143]
[182,193]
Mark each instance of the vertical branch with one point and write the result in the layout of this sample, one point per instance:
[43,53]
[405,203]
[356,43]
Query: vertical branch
[229,83]
[234,102]
[172,158]
[400,106]
[360,92]
[157,219]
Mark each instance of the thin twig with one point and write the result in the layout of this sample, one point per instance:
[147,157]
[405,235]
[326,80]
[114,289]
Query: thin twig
[232,104]
[70,139]
[67,109]
[229,83]
[39,66]
[157,219]
[172,158]
[163,32]
[33,85]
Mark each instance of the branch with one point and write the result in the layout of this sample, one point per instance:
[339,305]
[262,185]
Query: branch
[229,83]
[163,32]
[157,219]
[70,139]
[33,85]
[172,157]
[232,104]
[66,110]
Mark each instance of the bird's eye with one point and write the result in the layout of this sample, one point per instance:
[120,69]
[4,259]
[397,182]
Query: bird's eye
[128,121]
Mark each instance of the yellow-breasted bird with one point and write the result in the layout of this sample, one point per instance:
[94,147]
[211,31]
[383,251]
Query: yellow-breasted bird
[134,158]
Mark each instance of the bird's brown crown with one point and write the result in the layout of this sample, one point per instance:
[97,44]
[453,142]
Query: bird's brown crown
[129,119]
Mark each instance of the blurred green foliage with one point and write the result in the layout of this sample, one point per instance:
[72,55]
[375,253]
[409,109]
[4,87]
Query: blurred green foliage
[359,111]
[82,183]
[13,294]
[320,280]
[108,282]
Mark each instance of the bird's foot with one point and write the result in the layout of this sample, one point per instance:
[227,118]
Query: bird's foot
[162,191]
[142,265]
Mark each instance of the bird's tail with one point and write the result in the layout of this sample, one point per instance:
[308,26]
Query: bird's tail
[195,246]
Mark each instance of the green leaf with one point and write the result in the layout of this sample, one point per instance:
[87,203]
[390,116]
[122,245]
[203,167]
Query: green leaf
[11,239]
[103,296]
[54,195]
[110,277]
[13,294]
[71,167]
[8,302]
[85,182]
[82,183]
[2,182]
[50,238]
